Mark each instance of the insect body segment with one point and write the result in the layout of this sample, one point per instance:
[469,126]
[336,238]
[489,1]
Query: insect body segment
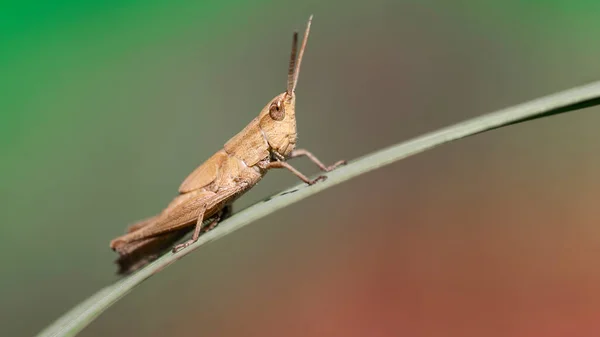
[207,193]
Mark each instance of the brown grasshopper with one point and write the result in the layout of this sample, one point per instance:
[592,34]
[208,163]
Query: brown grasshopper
[208,192]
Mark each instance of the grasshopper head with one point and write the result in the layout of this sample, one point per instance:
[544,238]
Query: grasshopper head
[278,118]
[278,123]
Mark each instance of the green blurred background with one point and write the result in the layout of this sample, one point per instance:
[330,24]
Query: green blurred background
[105,106]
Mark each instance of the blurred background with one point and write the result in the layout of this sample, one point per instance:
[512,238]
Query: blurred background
[106,106]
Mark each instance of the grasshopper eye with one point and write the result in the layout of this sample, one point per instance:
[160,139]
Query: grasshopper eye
[276,111]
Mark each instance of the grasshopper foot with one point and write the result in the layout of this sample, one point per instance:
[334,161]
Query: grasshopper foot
[314,181]
[336,165]
[182,246]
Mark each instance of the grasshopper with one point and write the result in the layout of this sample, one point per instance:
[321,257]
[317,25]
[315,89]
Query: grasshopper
[208,192]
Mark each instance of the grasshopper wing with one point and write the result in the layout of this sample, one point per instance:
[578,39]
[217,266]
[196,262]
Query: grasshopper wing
[205,174]
[142,223]
[182,212]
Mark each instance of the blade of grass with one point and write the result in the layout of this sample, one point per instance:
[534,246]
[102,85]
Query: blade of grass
[585,96]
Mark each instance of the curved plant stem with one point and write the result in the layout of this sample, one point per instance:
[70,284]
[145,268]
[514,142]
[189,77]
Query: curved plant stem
[84,313]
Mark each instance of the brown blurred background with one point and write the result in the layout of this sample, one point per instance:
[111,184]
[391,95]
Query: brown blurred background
[108,105]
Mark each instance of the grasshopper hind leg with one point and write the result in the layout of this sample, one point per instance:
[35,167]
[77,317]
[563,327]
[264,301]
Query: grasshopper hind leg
[137,254]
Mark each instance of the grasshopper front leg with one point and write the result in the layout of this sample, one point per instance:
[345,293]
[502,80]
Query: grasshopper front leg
[314,159]
[282,164]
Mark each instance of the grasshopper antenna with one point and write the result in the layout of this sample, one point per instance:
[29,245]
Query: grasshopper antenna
[293,75]
[290,82]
